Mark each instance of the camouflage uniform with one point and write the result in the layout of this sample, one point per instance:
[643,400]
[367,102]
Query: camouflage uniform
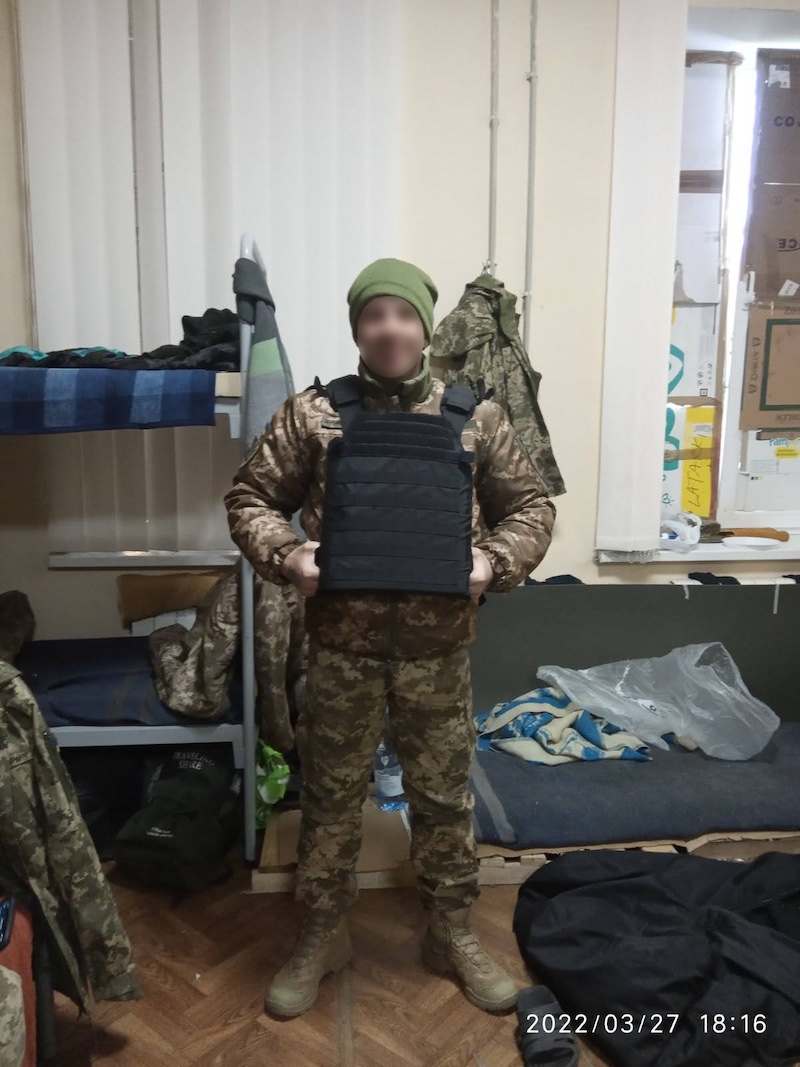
[369,649]
[480,339]
[46,849]
[340,724]
[12,1019]
[193,667]
[281,655]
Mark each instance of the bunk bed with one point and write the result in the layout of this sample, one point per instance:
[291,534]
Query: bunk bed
[100,692]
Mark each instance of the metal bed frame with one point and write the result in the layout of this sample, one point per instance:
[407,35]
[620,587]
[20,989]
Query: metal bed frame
[242,736]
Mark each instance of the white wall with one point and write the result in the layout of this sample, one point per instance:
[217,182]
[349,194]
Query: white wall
[443,225]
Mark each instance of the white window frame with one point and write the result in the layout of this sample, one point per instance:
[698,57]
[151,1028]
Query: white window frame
[650,81]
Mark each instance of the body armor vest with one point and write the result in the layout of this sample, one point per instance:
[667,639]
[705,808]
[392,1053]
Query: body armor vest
[398,497]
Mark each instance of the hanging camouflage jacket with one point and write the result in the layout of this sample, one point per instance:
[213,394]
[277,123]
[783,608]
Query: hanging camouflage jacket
[46,849]
[480,339]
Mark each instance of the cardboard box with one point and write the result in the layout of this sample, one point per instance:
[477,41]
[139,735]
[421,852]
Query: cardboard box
[693,353]
[771,387]
[772,248]
[777,141]
[775,455]
[688,475]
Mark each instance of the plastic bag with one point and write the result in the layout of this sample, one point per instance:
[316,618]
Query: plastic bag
[272,777]
[695,691]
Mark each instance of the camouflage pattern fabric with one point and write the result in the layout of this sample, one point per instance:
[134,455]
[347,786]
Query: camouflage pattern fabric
[12,1019]
[193,667]
[281,656]
[340,724]
[480,339]
[286,468]
[17,624]
[47,845]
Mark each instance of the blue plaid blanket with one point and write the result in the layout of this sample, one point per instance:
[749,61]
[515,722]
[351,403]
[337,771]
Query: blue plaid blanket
[64,399]
[544,726]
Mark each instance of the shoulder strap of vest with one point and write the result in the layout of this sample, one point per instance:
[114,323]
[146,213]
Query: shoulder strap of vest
[345,395]
[458,405]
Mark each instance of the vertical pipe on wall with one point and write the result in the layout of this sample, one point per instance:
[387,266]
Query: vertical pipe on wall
[532,77]
[491,263]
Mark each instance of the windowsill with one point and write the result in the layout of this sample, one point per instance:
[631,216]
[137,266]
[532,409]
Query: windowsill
[705,553]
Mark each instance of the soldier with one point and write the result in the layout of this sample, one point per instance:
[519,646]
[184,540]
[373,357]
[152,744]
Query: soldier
[396,634]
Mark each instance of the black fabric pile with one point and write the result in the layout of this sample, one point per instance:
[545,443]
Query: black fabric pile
[683,961]
[210,342]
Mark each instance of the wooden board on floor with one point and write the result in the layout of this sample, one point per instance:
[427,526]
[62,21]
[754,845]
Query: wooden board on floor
[383,863]
[384,860]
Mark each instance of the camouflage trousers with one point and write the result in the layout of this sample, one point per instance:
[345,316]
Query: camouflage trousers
[12,1019]
[338,729]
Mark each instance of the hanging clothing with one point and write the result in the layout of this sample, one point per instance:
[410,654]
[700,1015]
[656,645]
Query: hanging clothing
[45,848]
[193,668]
[480,339]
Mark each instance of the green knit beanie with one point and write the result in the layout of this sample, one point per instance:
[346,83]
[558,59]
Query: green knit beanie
[393,277]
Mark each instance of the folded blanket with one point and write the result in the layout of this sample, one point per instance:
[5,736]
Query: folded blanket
[544,726]
[60,399]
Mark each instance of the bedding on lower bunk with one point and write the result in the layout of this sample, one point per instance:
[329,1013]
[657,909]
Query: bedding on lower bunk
[677,794]
[103,682]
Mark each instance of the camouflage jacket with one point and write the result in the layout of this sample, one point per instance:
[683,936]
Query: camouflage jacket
[45,849]
[480,339]
[193,668]
[512,518]
[12,1019]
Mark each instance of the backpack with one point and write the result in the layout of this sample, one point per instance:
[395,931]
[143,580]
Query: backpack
[182,834]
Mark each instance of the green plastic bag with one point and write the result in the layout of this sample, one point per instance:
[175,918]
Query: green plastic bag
[272,777]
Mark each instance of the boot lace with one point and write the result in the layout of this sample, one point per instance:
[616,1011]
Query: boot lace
[314,931]
[467,943]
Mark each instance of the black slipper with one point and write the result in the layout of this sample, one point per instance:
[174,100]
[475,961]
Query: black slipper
[540,1024]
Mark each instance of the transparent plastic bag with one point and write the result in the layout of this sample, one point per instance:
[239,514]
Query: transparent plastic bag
[695,691]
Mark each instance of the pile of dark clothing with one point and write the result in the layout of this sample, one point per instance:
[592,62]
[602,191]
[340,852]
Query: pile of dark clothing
[210,342]
[676,960]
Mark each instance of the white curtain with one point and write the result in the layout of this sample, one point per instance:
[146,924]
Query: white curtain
[155,133]
[651,39]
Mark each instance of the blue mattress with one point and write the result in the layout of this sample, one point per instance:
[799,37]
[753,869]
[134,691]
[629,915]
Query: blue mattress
[676,795]
[102,682]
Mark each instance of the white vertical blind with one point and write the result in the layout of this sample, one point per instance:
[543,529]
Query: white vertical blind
[79,153]
[651,46]
[280,118]
[155,134]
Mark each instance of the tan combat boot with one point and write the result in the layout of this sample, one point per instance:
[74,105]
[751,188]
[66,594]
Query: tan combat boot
[323,946]
[450,947]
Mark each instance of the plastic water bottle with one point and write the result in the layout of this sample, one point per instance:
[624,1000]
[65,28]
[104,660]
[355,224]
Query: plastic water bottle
[389,793]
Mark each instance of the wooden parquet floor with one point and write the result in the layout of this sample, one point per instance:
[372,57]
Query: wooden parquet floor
[205,962]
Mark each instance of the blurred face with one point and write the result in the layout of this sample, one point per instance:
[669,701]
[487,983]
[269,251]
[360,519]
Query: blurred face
[391,337]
